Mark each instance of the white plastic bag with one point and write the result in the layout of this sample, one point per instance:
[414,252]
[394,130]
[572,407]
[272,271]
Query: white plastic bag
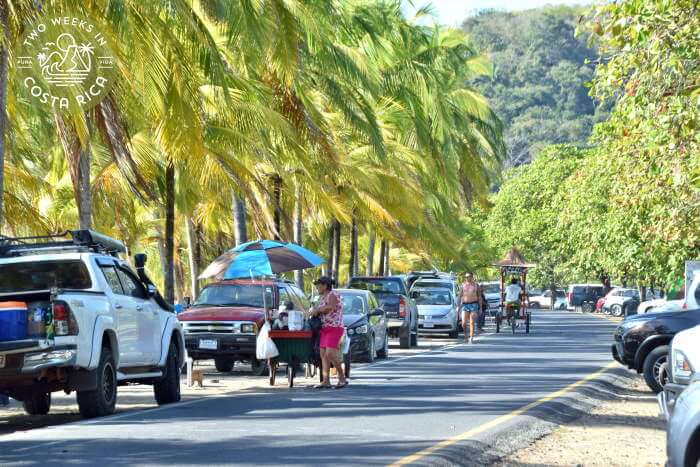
[264,345]
[296,320]
[346,343]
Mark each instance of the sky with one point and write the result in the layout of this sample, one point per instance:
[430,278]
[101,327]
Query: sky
[453,12]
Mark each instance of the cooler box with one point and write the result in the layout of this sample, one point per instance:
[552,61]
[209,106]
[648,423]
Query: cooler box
[13,321]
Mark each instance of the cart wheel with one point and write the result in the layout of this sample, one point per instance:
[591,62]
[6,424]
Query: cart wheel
[291,373]
[273,371]
[527,323]
[346,363]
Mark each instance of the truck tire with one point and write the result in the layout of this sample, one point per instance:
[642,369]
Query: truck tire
[167,390]
[652,368]
[405,340]
[223,364]
[39,403]
[102,400]
[259,367]
[587,307]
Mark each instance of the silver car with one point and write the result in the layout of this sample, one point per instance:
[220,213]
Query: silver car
[683,435]
[437,311]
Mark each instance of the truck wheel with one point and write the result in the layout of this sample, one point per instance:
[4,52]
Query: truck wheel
[259,367]
[223,364]
[587,307]
[167,390]
[405,341]
[653,368]
[414,338]
[102,400]
[38,403]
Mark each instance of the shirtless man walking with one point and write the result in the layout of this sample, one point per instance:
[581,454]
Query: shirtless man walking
[471,305]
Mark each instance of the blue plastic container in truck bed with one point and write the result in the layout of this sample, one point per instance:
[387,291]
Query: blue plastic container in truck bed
[13,321]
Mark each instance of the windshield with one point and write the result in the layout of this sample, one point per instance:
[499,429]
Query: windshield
[379,285]
[431,297]
[446,284]
[491,288]
[353,304]
[250,295]
[43,275]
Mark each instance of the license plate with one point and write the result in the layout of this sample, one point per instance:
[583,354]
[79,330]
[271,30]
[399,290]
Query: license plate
[208,344]
[2,361]
[428,325]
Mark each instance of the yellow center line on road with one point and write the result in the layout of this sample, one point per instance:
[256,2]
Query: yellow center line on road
[497,421]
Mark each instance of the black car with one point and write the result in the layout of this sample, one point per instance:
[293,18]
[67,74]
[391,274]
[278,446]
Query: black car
[584,296]
[401,310]
[365,322]
[642,342]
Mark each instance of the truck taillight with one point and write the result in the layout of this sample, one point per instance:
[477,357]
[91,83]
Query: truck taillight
[64,322]
[402,307]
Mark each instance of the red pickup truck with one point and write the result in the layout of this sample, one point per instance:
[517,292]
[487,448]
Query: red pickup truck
[224,321]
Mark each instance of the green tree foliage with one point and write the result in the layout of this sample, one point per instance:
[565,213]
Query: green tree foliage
[540,71]
[630,206]
[527,212]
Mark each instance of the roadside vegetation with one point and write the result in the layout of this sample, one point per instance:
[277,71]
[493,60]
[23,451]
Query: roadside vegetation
[627,206]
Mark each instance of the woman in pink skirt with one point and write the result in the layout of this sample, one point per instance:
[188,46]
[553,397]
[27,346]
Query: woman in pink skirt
[330,309]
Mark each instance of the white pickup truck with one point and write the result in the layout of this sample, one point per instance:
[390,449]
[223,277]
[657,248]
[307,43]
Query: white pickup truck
[76,317]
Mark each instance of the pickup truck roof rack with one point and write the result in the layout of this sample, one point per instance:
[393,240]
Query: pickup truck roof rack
[68,241]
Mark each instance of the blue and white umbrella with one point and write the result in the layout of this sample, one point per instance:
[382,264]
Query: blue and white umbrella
[261,258]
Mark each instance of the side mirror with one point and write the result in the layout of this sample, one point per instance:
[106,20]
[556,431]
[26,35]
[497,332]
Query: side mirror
[414,295]
[140,260]
[377,312]
[151,290]
[288,306]
[187,301]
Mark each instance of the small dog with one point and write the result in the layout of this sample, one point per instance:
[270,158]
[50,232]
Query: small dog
[198,377]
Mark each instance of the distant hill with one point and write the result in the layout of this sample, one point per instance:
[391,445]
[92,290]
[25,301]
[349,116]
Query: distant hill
[539,74]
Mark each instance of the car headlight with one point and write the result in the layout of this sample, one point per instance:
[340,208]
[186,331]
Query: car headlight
[358,330]
[681,365]
[248,328]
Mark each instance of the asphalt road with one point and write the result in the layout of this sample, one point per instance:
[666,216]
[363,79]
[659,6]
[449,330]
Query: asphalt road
[392,409]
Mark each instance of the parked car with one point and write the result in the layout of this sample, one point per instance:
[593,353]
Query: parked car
[492,292]
[401,310]
[445,283]
[599,304]
[692,301]
[365,322]
[437,310]
[224,321]
[621,301]
[683,432]
[660,304]
[544,300]
[642,342]
[583,297]
[682,364]
[76,317]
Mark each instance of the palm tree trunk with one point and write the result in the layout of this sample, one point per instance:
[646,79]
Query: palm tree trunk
[336,251]
[387,265]
[192,256]
[4,62]
[277,202]
[370,254]
[298,275]
[169,285]
[240,229]
[352,264]
[79,157]
[328,267]
[382,257]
